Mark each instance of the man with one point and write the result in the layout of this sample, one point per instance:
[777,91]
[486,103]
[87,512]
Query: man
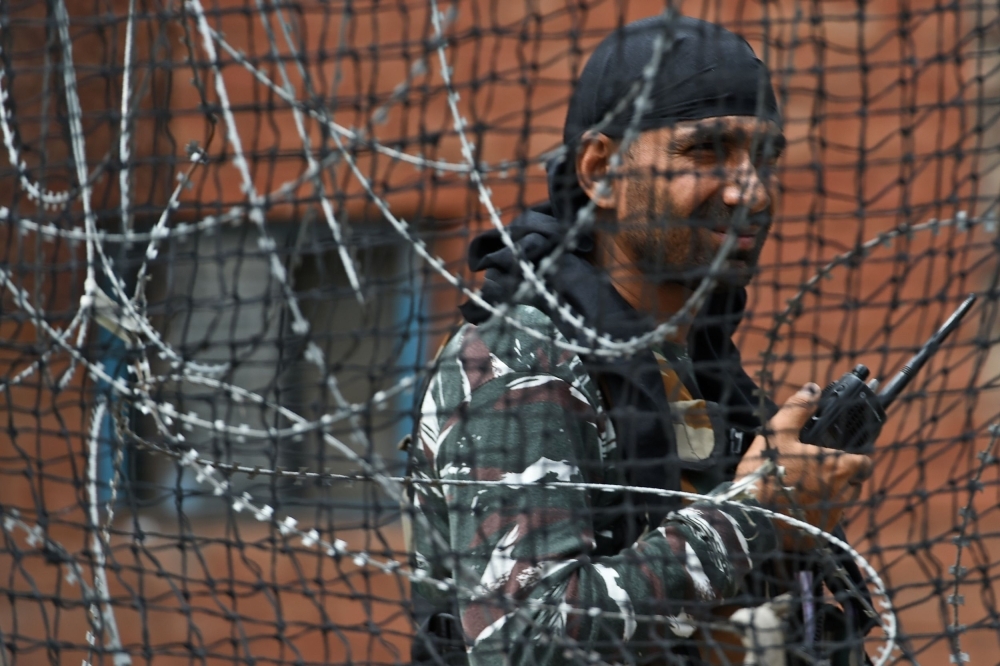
[553,574]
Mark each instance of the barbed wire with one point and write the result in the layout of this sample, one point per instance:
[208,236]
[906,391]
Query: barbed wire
[206,473]
[127,316]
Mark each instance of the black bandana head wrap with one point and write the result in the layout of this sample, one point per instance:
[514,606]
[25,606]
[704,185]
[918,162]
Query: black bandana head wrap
[705,71]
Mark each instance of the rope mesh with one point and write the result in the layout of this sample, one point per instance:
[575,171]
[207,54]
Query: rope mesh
[234,236]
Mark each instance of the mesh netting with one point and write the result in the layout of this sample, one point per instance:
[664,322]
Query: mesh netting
[234,238]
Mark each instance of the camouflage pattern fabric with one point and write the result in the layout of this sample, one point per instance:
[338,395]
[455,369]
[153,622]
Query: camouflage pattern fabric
[508,409]
[693,430]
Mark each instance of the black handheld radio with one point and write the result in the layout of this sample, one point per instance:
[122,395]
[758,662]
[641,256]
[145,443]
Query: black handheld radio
[850,414]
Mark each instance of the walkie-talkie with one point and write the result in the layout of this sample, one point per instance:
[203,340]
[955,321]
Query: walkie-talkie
[850,414]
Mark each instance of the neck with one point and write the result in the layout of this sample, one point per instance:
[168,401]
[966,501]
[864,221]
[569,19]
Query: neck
[661,300]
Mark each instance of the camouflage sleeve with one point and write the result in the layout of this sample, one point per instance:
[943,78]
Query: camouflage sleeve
[530,546]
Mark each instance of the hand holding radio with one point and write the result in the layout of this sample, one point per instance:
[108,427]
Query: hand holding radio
[820,439]
[850,415]
[815,481]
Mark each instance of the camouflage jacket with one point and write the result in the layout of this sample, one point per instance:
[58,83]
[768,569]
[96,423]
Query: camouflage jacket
[544,580]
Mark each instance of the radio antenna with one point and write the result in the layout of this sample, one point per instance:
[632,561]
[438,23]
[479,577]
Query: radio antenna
[896,385]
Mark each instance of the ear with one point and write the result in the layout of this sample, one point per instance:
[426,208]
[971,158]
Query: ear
[593,165]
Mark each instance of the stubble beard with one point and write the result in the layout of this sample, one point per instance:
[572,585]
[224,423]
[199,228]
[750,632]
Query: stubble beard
[672,249]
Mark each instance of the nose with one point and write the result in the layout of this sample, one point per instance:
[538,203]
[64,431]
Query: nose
[745,187]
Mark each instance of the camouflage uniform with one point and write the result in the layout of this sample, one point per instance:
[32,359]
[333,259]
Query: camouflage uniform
[503,406]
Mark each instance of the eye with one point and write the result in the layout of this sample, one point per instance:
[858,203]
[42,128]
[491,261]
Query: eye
[707,149]
[767,156]
[768,153]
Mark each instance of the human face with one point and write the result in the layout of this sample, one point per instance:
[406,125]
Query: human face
[684,187]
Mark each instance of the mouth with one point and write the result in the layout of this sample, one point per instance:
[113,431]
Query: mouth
[744,240]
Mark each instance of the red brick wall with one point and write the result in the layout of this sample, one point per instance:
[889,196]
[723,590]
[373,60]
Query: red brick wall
[880,108]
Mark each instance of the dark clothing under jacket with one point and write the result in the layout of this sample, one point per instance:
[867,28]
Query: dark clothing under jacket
[633,387]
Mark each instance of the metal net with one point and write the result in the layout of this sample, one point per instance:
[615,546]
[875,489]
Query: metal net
[234,237]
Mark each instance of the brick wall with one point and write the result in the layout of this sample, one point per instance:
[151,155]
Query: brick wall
[887,124]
